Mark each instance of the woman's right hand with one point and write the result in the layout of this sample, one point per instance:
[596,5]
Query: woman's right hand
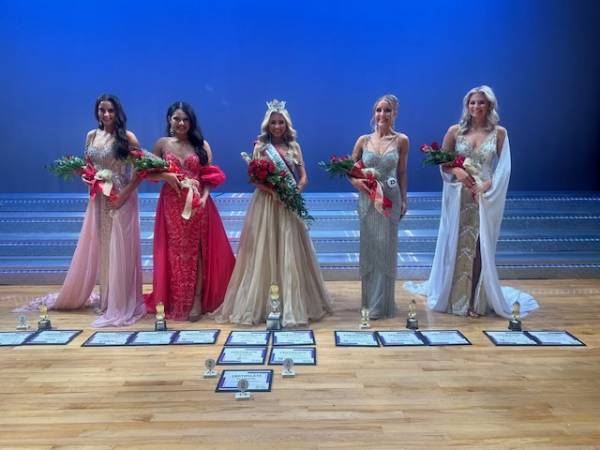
[358,183]
[86,180]
[266,190]
[172,180]
[463,177]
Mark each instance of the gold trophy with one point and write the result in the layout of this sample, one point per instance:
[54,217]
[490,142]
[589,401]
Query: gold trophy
[274,317]
[411,321]
[364,318]
[44,322]
[514,324]
[160,324]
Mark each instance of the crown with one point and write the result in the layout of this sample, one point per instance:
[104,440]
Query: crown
[276,105]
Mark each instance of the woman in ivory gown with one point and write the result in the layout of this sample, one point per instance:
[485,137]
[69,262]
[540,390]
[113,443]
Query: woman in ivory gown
[275,246]
[386,151]
[108,250]
[464,279]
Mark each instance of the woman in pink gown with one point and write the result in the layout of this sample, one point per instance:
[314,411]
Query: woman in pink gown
[108,251]
[193,260]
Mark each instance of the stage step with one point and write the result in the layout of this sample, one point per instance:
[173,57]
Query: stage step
[543,235]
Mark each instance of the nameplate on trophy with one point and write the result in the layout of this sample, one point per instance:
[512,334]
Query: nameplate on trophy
[153,338]
[302,356]
[356,339]
[295,337]
[400,338]
[444,337]
[52,337]
[242,355]
[510,338]
[249,338]
[196,337]
[258,380]
[14,338]
[108,339]
[555,338]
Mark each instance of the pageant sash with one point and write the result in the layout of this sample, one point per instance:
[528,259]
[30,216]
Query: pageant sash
[274,156]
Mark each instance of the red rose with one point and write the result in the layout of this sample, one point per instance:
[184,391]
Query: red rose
[435,146]
[424,148]
[262,175]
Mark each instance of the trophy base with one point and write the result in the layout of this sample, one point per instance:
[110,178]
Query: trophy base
[515,325]
[210,374]
[44,325]
[412,324]
[274,321]
[288,373]
[243,395]
[160,325]
[364,326]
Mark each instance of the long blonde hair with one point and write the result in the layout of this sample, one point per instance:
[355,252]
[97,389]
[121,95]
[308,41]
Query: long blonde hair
[391,100]
[492,118]
[289,137]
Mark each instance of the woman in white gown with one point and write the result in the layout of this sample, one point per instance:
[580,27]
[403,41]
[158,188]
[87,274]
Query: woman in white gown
[464,279]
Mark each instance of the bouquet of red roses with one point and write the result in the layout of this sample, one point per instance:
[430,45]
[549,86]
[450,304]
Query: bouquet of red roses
[100,180]
[346,167]
[434,156]
[264,172]
[68,166]
[147,164]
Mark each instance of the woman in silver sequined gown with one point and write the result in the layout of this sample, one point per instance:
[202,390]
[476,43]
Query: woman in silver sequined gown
[385,151]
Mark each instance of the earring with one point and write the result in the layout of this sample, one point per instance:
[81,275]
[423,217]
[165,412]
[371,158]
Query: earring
[171,132]
[100,125]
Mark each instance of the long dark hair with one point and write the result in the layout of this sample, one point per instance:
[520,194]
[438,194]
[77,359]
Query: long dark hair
[194,134]
[121,148]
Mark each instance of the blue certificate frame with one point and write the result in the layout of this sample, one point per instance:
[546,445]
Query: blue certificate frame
[356,339]
[293,338]
[109,339]
[245,338]
[401,338]
[52,337]
[263,379]
[234,356]
[555,338]
[444,337]
[196,337]
[142,338]
[14,338]
[278,354]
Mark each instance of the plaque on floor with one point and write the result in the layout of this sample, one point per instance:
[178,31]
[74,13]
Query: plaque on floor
[400,338]
[14,338]
[356,339]
[444,337]
[258,380]
[153,338]
[242,355]
[196,337]
[504,338]
[52,337]
[109,339]
[302,356]
[555,338]
[295,337]
[248,338]
[550,338]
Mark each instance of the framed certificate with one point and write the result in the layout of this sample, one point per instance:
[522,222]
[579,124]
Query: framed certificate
[401,338]
[258,380]
[13,338]
[356,339]
[242,355]
[555,338]
[196,337]
[153,338]
[510,338]
[302,356]
[52,337]
[295,337]
[444,337]
[248,338]
[108,339]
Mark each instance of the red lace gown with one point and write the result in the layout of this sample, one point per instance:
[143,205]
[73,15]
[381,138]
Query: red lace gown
[179,243]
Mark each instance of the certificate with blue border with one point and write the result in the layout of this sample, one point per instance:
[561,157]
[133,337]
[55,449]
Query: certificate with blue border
[444,337]
[109,339]
[302,356]
[507,338]
[14,338]
[258,380]
[293,337]
[153,338]
[356,339]
[196,337]
[555,338]
[52,337]
[248,338]
[400,338]
[242,355]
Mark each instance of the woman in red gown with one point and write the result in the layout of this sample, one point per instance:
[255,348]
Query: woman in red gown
[193,260]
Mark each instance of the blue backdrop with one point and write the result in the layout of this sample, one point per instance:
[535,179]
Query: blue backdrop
[329,59]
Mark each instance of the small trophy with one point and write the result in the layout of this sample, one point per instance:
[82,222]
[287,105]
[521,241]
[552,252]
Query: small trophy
[514,324]
[44,322]
[288,368]
[411,321]
[364,318]
[22,324]
[210,371]
[160,324]
[274,317]
[243,393]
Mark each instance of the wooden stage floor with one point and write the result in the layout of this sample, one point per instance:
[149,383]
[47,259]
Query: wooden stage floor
[468,397]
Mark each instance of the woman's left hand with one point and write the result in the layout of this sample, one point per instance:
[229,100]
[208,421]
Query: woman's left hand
[203,200]
[403,208]
[480,188]
[301,185]
[117,202]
